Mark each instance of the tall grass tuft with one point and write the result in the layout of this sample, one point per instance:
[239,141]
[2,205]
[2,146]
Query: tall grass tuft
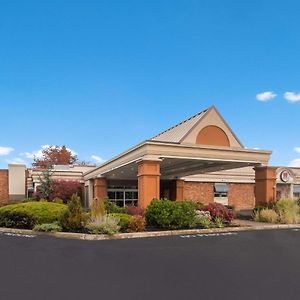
[288,211]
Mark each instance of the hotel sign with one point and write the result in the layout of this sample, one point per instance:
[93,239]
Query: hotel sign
[285,176]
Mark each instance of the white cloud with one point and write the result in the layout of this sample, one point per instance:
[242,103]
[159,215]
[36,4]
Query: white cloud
[97,159]
[265,96]
[6,150]
[297,149]
[39,153]
[295,163]
[292,97]
[17,160]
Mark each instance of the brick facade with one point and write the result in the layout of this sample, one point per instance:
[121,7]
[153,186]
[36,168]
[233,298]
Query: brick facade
[199,192]
[241,195]
[3,186]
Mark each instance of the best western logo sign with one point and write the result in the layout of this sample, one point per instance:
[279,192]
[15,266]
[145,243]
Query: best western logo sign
[285,176]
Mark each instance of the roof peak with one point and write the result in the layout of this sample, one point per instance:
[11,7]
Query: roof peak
[177,132]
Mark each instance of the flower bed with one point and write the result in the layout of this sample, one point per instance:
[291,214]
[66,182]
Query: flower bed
[106,218]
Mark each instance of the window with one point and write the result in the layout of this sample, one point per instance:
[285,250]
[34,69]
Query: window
[123,196]
[296,192]
[221,193]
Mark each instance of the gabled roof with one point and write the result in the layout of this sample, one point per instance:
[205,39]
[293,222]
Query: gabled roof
[176,133]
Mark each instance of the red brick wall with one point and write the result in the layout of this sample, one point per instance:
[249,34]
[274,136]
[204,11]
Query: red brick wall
[199,192]
[3,186]
[241,195]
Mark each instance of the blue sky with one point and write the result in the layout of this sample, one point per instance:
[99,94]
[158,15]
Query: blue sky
[102,76]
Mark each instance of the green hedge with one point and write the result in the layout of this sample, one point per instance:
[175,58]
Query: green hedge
[168,214]
[124,220]
[30,213]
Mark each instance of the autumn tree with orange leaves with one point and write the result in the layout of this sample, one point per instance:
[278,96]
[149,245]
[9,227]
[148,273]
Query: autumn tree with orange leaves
[55,155]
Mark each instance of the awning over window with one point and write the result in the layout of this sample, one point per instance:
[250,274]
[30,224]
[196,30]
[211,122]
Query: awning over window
[221,188]
[296,189]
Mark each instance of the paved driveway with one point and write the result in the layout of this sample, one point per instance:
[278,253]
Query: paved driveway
[245,265]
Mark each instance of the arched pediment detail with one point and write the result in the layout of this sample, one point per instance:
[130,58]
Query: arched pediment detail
[212,135]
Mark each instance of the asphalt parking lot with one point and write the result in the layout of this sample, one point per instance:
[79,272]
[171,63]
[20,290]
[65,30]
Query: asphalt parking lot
[243,265]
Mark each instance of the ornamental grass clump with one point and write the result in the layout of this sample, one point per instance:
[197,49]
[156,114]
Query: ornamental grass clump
[106,224]
[101,222]
[288,211]
[267,215]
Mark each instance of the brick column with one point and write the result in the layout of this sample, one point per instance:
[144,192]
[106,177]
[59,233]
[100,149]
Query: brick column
[100,188]
[265,185]
[148,182]
[179,190]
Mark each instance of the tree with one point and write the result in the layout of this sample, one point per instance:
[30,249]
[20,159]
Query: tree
[45,188]
[55,155]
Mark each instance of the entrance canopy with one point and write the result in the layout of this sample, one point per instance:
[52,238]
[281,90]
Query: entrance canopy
[201,144]
[178,160]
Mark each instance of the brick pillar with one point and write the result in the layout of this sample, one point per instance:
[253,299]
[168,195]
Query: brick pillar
[148,182]
[100,188]
[179,190]
[265,185]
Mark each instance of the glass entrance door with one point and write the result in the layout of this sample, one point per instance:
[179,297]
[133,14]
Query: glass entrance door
[123,196]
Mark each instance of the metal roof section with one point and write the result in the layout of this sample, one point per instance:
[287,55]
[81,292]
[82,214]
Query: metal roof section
[176,133]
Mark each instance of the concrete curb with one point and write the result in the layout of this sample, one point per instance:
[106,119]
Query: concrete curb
[99,237]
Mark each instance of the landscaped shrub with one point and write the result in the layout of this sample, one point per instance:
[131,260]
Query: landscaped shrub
[41,212]
[123,220]
[111,207]
[29,200]
[135,211]
[168,214]
[106,224]
[73,218]
[266,215]
[136,224]
[218,222]
[65,189]
[220,211]
[288,211]
[48,227]
[13,219]
[199,205]
[202,221]
[58,200]
[97,208]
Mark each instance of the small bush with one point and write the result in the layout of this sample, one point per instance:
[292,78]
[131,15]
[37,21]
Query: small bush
[48,227]
[106,224]
[41,212]
[288,211]
[218,222]
[168,214]
[218,210]
[97,208]
[124,220]
[135,211]
[202,221]
[58,200]
[199,205]
[29,200]
[136,224]
[14,219]
[112,208]
[73,218]
[266,215]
